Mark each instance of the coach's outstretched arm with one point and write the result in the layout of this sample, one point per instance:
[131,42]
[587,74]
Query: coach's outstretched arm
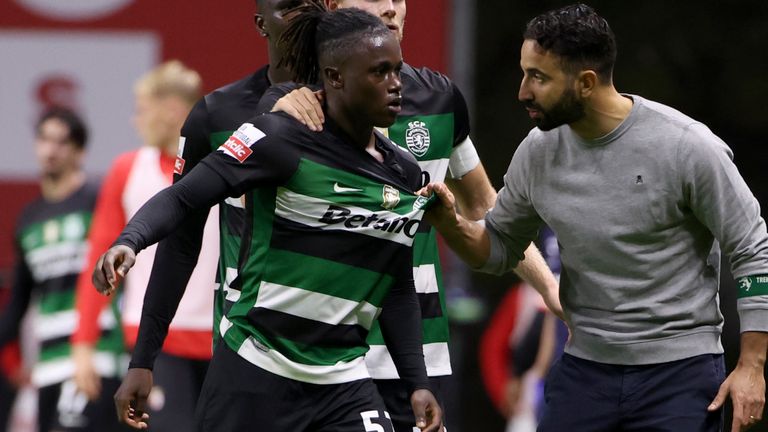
[489,251]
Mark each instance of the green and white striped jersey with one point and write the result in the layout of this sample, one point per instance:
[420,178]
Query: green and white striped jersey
[433,121]
[51,248]
[329,235]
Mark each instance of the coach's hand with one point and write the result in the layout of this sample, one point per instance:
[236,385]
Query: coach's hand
[305,106]
[131,398]
[112,267]
[746,384]
[426,410]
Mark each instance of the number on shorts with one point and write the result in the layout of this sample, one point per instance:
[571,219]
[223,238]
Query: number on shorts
[371,426]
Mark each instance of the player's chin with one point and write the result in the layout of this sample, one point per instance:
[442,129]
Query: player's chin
[386,119]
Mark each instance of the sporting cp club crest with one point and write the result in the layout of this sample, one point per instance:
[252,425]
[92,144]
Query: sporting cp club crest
[391,197]
[417,138]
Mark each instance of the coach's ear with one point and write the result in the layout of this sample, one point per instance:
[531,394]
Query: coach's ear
[333,77]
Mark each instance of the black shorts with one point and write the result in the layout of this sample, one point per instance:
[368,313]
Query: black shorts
[239,396]
[62,408]
[176,387]
[398,401]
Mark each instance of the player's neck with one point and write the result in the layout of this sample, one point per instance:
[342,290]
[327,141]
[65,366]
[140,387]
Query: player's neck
[58,188]
[360,132]
[277,74]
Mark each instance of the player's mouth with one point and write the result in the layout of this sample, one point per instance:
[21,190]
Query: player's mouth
[395,104]
[394,27]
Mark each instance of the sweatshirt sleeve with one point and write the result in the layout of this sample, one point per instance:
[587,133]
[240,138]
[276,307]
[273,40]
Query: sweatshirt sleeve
[108,220]
[720,198]
[513,222]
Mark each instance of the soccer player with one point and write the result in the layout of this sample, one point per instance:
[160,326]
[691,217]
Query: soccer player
[326,249]
[209,124]
[433,126]
[164,97]
[642,198]
[51,245]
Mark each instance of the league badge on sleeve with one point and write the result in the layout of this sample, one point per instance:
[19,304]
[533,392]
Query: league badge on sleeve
[239,144]
[178,166]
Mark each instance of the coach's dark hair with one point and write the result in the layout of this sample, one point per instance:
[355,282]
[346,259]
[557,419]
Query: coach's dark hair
[78,132]
[579,36]
[313,31]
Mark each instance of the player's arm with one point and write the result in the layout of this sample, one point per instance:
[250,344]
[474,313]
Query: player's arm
[720,198]
[21,293]
[400,322]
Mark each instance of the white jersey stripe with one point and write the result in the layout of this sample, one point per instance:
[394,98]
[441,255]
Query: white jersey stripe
[273,361]
[425,279]
[315,306]
[309,210]
[381,366]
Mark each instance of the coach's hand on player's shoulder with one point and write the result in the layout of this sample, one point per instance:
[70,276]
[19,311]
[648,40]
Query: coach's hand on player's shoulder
[112,267]
[426,410]
[131,398]
[304,105]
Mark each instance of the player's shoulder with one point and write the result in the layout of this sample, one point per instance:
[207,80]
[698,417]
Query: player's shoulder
[251,86]
[273,125]
[426,78]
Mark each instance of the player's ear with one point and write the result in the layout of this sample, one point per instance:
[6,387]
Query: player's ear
[333,77]
[332,4]
[586,83]
[258,19]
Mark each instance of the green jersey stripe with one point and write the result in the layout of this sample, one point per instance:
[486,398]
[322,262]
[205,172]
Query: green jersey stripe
[357,285]
[56,301]
[345,188]
[315,306]
[424,135]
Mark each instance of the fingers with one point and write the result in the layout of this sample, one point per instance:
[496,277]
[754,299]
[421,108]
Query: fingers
[134,416]
[719,399]
[303,105]
[99,277]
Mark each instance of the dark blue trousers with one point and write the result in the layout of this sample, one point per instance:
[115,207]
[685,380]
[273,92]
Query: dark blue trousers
[586,396]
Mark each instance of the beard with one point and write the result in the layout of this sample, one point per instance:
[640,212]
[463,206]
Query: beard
[567,109]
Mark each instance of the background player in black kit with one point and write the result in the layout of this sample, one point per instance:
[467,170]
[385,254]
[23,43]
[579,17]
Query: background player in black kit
[287,363]
[211,121]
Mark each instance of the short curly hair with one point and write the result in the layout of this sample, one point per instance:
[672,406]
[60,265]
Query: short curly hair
[579,36]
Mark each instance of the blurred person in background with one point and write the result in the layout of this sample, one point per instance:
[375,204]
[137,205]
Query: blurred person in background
[519,345]
[163,99]
[50,242]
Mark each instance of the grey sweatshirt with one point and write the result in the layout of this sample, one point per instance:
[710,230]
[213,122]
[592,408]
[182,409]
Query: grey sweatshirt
[641,215]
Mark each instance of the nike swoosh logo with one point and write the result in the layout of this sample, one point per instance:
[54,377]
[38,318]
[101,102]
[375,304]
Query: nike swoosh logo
[342,189]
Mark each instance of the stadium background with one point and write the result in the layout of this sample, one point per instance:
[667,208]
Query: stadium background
[706,58]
